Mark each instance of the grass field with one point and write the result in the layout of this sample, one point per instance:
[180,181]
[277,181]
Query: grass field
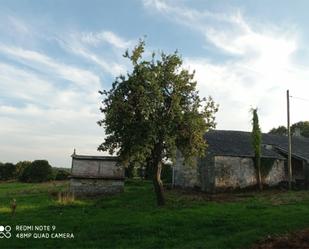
[132,220]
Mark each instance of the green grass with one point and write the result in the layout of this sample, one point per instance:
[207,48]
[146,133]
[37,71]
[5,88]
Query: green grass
[132,220]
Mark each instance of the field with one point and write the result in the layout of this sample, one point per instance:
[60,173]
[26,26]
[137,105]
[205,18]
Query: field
[132,220]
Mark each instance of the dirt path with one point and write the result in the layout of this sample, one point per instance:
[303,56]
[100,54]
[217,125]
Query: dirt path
[296,240]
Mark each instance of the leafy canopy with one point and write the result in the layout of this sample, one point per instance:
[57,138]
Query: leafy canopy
[280,130]
[155,106]
[303,127]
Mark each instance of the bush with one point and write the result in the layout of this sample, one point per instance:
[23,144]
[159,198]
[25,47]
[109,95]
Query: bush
[62,174]
[37,171]
[20,166]
[7,171]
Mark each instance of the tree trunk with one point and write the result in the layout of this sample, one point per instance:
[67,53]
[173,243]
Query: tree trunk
[259,175]
[158,185]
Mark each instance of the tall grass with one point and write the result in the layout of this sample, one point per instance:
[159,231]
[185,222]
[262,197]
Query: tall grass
[66,198]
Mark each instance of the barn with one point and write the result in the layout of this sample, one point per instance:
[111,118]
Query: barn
[228,163]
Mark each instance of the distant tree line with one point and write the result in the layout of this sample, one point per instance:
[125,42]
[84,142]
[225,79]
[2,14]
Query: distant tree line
[303,127]
[36,171]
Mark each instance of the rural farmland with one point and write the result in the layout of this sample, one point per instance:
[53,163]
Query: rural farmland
[132,220]
[154,124]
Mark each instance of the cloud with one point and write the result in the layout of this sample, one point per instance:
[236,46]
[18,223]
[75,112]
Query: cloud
[258,66]
[101,48]
[19,84]
[95,38]
[49,82]
[45,63]
[50,129]
[18,25]
[112,68]
[49,101]
[46,108]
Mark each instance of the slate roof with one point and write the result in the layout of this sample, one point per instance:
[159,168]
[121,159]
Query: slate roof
[300,145]
[96,158]
[238,143]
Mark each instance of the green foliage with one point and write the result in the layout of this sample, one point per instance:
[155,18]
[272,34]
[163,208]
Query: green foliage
[62,174]
[37,171]
[130,171]
[155,110]
[303,126]
[257,144]
[280,130]
[256,134]
[20,166]
[7,171]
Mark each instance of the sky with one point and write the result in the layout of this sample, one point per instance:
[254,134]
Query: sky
[55,55]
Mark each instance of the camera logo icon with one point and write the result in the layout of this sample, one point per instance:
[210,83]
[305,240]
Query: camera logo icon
[5,232]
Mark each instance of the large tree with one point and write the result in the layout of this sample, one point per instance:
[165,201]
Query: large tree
[153,111]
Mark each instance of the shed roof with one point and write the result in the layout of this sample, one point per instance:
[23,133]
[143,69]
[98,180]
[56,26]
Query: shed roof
[97,158]
[238,143]
[300,145]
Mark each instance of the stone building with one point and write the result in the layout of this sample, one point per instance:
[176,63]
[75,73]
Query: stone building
[228,163]
[96,175]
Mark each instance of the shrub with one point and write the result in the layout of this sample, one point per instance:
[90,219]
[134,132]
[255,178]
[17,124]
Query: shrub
[37,171]
[20,166]
[25,174]
[62,174]
[7,171]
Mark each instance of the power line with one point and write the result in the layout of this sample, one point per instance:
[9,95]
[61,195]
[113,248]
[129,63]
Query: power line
[299,98]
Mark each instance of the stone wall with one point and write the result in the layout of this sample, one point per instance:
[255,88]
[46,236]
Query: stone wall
[276,174]
[219,173]
[234,172]
[186,176]
[207,172]
[239,172]
[95,186]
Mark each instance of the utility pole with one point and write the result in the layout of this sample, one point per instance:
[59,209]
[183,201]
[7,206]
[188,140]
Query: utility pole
[289,141]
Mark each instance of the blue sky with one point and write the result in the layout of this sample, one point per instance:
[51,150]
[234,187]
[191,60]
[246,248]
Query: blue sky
[56,55]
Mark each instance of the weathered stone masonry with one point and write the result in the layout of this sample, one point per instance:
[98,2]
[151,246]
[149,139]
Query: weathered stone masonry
[217,173]
[239,172]
[228,163]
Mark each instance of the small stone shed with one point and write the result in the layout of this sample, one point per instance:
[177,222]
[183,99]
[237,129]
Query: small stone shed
[229,164]
[96,175]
